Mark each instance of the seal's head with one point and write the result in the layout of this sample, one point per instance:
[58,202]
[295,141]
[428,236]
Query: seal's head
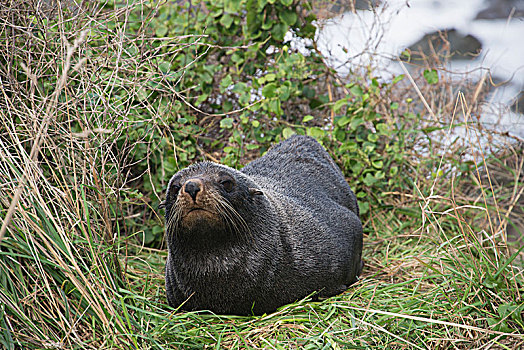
[204,203]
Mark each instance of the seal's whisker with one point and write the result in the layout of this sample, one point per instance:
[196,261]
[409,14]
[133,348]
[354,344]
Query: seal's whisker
[225,212]
[236,219]
[172,215]
[228,218]
[230,215]
[174,218]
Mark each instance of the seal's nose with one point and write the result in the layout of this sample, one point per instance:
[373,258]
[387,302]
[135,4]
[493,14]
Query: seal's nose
[192,188]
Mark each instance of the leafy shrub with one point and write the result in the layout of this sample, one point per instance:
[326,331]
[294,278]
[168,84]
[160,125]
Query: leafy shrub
[232,86]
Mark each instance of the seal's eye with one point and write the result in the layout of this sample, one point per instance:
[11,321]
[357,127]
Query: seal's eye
[175,187]
[227,184]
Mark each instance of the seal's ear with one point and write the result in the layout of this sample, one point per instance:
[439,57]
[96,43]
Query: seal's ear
[254,191]
[162,205]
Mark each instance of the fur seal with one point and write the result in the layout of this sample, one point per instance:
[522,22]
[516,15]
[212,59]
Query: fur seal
[247,242]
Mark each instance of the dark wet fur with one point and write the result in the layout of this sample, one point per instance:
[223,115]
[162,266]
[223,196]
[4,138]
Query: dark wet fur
[301,235]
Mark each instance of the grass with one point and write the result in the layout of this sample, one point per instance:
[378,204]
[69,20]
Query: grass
[440,272]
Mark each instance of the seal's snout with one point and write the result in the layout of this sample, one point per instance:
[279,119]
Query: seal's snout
[192,187]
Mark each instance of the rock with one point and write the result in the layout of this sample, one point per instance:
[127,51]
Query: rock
[330,8]
[447,42]
[362,4]
[518,105]
[500,9]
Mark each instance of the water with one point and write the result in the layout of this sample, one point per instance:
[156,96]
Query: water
[377,38]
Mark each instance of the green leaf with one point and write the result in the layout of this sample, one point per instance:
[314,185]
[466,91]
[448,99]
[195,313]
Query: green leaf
[244,99]
[368,147]
[226,20]
[307,118]
[397,79]
[431,76]
[142,94]
[274,106]
[372,137]
[284,92]
[340,135]
[270,77]
[225,83]
[269,90]
[355,122]
[161,31]
[252,18]
[255,123]
[356,90]
[506,310]
[393,171]
[287,132]
[315,132]
[268,24]
[227,106]
[164,67]
[364,207]
[369,180]
[240,87]
[308,92]
[491,321]
[207,78]
[216,13]
[286,2]
[226,123]
[308,31]
[148,237]
[382,129]
[279,31]
[233,6]
[339,104]
[289,17]
[158,231]
[377,164]
[237,58]
[201,99]
[344,120]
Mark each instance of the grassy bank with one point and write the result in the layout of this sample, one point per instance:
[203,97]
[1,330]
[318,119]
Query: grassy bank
[100,104]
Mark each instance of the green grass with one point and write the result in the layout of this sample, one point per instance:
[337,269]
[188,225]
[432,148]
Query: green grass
[430,281]
[85,157]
